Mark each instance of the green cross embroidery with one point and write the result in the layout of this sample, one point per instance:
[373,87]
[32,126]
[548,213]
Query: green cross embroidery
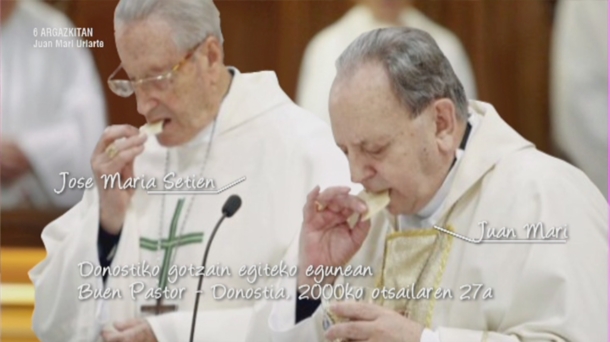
[170,244]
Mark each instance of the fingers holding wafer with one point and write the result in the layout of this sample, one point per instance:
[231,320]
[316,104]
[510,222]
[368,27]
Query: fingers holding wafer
[327,195]
[310,204]
[112,133]
[338,200]
[321,200]
[125,147]
[375,203]
[117,147]
[319,206]
[329,207]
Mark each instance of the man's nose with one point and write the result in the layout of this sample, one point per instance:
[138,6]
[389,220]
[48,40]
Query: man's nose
[145,101]
[360,171]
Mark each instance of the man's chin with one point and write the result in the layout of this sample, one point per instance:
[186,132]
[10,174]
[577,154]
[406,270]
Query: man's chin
[397,207]
[169,140]
[393,209]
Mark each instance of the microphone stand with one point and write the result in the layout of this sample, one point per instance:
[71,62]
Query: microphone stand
[205,259]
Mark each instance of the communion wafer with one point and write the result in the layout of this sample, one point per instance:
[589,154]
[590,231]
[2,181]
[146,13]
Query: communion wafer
[375,202]
[152,128]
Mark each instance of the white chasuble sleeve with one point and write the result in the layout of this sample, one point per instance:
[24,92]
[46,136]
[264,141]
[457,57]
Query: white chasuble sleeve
[227,325]
[59,314]
[543,291]
[281,320]
[327,167]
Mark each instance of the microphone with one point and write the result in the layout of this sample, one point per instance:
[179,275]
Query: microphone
[229,209]
[231,206]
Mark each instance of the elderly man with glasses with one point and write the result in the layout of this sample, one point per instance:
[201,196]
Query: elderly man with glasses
[122,265]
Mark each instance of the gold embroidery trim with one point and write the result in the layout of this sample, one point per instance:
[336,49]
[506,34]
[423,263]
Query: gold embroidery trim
[439,275]
[443,263]
[412,233]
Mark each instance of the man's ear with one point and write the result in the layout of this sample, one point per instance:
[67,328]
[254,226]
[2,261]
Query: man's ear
[212,51]
[445,122]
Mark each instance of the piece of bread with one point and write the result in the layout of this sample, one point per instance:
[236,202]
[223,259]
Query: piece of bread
[152,128]
[375,203]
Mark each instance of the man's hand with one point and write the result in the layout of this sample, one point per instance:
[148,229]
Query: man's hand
[372,323]
[116,155]
[13,162]
[326,239]
[133,330]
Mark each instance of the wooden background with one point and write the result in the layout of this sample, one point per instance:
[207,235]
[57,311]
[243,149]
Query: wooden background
[508,43]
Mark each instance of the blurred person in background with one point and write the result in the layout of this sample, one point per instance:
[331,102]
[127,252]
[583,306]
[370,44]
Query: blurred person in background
[318,65]
[579,88]
[53,109]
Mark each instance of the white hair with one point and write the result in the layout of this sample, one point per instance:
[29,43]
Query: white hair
[192,21]
[419,72]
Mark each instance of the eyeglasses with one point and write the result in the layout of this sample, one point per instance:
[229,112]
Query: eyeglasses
[126,88]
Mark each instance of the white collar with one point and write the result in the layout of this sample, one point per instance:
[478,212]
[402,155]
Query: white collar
[205,135]
[431,212]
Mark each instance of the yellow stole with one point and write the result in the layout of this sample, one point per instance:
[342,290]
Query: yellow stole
[414,260]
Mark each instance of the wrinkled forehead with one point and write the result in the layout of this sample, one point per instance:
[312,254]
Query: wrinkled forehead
[363,92]
[146,47]
[363,107]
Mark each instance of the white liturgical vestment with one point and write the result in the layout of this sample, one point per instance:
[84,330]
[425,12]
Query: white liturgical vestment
[282,151]
[546,283]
